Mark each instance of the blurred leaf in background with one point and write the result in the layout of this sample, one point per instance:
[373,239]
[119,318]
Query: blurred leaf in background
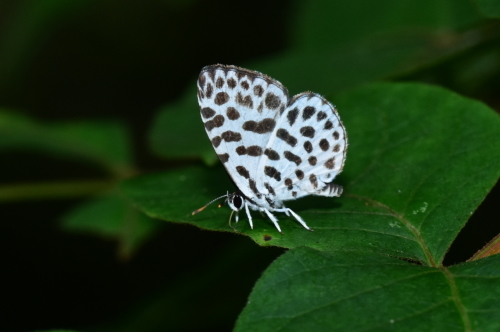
[489,8]
[114,218]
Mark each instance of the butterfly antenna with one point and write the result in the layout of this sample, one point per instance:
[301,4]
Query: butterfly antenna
[222,204]
[203,207]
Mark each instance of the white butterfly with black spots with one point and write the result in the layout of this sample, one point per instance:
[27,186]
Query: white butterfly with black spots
[275,148]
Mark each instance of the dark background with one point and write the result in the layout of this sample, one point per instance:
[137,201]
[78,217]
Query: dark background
[124,60]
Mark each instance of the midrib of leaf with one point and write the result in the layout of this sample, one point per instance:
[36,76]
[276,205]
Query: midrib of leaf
[407,223]
[456,298]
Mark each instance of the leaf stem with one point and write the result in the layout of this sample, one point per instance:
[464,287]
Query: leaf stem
[51,190]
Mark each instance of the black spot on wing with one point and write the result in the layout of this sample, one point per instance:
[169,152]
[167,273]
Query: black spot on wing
[269,188]
[292,116]
[210,90]
[292,157]
[220,83]
[254,151]
[328,125]
[321,115]
[216,122]
[245,85]
[284,135]
[300,174]
[241,150]
[221,98]
[223,157]
[308,112]
[307,131]
[202,80]
[312,160]
[231,136]
[251,184]
[313,180]
[231,83]
[272,173]
[244,101]
[258,90]
[264,126]
[272,101]
[308,146]
[271,154]
[324,145]
[216,141]
[330,163]
[232,113]
[207,112]
[243,171]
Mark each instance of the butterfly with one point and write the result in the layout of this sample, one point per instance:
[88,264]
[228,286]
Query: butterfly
[275,148]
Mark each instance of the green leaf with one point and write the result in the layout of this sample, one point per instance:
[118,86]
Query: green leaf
[489,8]
[104,143]
[420,161]
[312,19]
[178,131]
[308,290]
[114,218]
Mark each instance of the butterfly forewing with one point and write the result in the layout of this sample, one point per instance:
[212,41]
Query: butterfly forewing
[240,110]
[310,144]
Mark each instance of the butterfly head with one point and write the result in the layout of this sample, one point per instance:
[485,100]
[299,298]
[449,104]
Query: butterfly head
[235,201]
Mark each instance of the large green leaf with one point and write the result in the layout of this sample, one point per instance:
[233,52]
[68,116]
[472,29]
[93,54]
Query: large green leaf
[420,161]
[104,143]
[308,290]
[489,8]
[112,217]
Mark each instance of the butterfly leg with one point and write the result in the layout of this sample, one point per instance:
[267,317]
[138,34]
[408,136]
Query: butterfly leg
[299,219]
[249,215]
[273,219]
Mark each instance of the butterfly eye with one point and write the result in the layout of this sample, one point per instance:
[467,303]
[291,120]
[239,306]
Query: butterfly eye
[237,202]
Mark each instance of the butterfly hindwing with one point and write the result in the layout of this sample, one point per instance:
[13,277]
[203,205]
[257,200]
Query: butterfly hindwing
[240,109]
[310,143]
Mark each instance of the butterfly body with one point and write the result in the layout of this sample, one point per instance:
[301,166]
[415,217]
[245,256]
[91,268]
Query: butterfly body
[275,148]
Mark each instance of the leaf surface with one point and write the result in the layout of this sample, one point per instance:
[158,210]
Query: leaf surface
[308,290]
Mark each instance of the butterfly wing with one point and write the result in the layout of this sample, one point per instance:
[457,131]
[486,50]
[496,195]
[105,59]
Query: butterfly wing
[310,144]
[240,109]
